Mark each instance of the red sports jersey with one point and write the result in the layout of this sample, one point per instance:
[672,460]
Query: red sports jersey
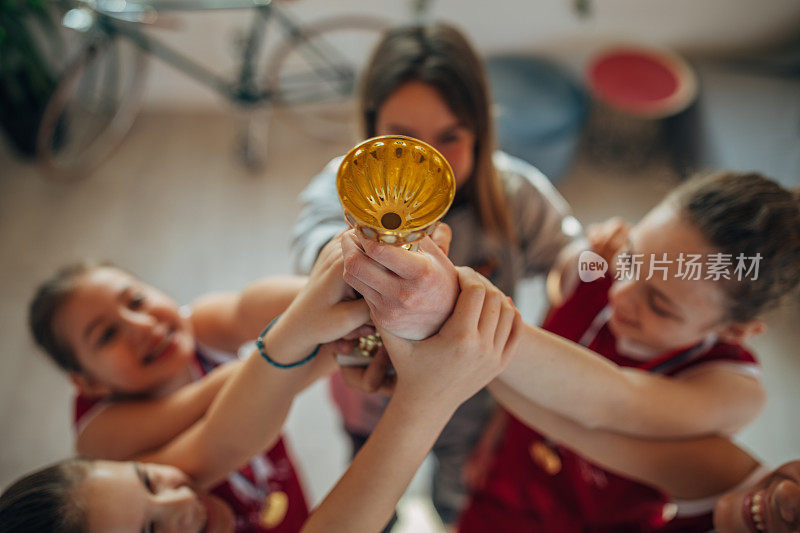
[536,485]
[265,495]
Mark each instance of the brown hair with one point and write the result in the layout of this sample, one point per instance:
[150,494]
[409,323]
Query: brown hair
[44,501]
[49,298]
[440,56]
[747,213]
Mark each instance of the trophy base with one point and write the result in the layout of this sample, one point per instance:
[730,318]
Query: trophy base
[352,359]
[362,354]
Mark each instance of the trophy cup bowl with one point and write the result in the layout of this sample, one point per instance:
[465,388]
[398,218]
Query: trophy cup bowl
[394,189]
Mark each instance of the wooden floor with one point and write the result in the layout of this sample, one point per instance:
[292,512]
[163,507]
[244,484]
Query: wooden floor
[173,206]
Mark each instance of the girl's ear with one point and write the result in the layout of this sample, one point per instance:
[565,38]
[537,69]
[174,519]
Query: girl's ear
[738,332]
[88,386]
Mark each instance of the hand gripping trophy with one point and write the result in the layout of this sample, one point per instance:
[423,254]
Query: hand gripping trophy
[394,190]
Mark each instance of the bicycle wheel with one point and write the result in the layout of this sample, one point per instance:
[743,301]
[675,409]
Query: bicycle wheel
[93,107]
[314,74]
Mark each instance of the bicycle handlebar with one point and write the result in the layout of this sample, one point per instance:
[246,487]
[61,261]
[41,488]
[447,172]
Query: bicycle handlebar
[115,8]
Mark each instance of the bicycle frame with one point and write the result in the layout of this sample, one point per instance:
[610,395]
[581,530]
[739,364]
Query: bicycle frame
[243,90]
[305,66]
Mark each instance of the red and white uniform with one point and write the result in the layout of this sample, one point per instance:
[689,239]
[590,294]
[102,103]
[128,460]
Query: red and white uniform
[265,495]
[578,496]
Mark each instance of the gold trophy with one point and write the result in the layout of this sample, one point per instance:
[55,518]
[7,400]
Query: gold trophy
[394,190]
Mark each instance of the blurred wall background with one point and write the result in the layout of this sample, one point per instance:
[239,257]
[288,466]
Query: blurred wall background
[552,26]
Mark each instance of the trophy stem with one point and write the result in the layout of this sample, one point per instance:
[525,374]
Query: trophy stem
[394,190]
[362,354]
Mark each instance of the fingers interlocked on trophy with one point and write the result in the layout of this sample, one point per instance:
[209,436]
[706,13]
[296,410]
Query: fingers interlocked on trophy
[394,190]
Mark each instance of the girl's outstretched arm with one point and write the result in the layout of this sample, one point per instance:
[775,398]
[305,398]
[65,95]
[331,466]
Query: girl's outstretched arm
[226,320]
[434,377]
[559,374]
[573,381]
[125,430]
[685,469]
[249,412]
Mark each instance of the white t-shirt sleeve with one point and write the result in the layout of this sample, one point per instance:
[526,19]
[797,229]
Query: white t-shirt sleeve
[320,218]
[544,222]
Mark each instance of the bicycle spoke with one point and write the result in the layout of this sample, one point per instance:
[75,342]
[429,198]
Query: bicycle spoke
[112,79]
[91,109]
[318,55]
[315,73]
[308,87]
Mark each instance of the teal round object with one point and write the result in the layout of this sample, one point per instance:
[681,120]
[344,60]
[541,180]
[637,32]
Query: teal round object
[541,111]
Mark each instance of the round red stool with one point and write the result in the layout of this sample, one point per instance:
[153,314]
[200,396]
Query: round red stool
[633,90]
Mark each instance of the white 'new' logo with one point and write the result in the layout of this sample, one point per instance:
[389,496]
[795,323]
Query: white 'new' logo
[591,266]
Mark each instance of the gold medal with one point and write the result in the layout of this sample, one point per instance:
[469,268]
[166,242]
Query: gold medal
[274,510]
[546,457]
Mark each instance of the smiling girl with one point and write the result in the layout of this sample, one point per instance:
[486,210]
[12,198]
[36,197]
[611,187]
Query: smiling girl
[674,361]
[145,370]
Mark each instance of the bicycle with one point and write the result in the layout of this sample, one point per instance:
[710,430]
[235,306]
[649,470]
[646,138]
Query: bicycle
[312,72]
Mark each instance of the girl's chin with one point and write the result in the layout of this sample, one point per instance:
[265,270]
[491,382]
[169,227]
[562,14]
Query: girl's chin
[219,515]
[185,345]
[180,356]
[618,327]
